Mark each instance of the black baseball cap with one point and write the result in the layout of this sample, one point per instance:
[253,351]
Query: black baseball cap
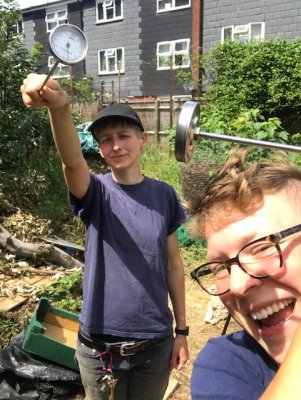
[116,110]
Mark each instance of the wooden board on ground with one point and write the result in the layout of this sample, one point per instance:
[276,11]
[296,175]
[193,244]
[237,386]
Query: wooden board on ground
[171,388]
[39,280]
[8,303]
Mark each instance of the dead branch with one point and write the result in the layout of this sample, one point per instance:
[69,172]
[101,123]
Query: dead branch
[41,251]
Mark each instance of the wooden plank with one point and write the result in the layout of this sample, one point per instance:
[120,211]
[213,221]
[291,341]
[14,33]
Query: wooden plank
[38,280]
[173,385]
[7,303]
[62,242]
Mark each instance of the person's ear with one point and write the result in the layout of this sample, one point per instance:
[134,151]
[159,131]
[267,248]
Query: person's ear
[100,152]
[144,140]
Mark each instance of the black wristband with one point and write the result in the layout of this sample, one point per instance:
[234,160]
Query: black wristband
[184,332]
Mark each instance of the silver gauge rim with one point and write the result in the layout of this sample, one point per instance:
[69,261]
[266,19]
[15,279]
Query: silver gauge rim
[73,28]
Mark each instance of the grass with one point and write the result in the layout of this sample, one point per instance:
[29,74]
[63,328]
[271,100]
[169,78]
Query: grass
[158,162]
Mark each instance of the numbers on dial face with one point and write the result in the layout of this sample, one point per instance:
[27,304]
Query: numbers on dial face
[68,44]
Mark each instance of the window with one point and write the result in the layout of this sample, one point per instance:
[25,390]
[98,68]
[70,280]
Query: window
[55,18]
[61,71]
[243,33]
[109,10]
[111,61]
[173,54]
[15,30]
[170,5]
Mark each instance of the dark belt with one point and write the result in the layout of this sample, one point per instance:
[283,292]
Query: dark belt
[124,348]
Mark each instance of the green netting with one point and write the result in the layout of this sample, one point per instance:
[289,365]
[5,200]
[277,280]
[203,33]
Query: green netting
[88,143]
[186,239]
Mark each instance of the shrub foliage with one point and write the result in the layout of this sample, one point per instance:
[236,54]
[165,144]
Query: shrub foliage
[264,75]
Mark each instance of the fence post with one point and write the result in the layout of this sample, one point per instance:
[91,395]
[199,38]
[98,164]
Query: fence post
[157,119]
[102,92]
[113,93]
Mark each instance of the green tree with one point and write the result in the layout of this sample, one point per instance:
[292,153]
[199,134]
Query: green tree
[23,133]
[263,75]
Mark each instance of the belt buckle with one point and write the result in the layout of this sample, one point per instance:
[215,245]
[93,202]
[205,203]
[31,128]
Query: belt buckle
[128,349]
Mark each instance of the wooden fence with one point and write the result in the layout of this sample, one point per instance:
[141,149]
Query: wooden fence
[157,116]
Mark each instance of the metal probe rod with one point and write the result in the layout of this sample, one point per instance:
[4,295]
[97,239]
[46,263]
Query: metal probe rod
[49,73]
[237,139]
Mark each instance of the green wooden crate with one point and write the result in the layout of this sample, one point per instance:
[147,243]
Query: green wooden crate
[52,334]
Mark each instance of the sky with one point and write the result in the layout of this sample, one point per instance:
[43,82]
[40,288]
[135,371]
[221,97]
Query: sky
[30,3]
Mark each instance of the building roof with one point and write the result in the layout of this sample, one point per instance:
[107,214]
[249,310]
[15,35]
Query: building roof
[26,4]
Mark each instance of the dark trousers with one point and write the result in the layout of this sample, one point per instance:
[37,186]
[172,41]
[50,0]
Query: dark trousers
[142,376]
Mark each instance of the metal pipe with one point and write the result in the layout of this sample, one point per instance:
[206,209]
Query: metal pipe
[262,143]
[49,73]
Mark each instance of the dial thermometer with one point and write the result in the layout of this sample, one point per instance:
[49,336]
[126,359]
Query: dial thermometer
[68,45]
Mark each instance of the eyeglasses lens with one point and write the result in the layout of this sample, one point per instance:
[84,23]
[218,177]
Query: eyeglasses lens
[259,260]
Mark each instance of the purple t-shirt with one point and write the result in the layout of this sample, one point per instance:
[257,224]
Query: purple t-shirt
[232,367]
[125,291]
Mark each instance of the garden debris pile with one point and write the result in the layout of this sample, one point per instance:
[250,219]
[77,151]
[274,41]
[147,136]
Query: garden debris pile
[19,282]
[195,178]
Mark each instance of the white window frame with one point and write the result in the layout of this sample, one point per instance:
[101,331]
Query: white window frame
[57,19]
[111,54]
[108,5]
[235,33]
[17,29]
[172,54]
[61,71]
[171,5]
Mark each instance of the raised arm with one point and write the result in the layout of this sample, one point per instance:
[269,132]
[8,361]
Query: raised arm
[75,168]
[286,383]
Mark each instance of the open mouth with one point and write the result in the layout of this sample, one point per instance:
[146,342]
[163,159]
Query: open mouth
[275,314]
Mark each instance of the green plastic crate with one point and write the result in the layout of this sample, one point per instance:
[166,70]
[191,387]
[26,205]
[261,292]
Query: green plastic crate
[52,334]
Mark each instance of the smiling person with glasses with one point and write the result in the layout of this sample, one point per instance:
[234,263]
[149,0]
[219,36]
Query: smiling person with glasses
[250,216]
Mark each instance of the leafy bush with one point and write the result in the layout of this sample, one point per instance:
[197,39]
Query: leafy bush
[65,292]
[248,124]
[22,132]
[31,178]
[82,90]
[262,75]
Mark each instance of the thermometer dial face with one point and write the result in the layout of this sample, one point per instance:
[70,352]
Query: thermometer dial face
[68,44]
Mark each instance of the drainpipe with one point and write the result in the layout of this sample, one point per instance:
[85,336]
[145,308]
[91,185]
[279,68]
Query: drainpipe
[197,10]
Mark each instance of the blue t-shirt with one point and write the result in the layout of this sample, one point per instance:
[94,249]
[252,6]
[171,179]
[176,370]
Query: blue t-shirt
[232,367]
[125,291]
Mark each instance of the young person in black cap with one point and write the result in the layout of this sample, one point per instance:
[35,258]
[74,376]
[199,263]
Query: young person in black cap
[132,262]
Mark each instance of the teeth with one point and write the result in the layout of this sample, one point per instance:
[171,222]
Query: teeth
[265,312]
[270,310]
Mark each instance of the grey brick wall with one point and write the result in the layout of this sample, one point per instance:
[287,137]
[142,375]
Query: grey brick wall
[282,18]
[156,28]
[28,26]
[35,30]
[138,32]
[124,33]
[142,27]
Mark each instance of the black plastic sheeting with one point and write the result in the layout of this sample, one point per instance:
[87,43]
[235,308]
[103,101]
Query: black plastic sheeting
[24,377]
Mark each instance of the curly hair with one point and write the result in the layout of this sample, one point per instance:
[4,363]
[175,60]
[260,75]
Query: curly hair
[240,184]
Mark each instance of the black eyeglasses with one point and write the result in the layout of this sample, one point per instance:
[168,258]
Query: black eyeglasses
[260,259]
